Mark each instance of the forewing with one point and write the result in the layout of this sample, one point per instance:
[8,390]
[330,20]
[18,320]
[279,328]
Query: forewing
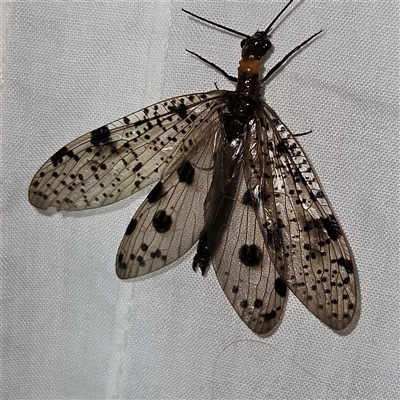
[238,253]
[244,268]
[311,252]
[119,159]
[171,218]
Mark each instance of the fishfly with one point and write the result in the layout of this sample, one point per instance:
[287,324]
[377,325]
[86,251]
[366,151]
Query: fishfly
[232,177]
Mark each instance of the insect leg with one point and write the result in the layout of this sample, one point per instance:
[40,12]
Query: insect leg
[203,256]
[302,133]
[219,69]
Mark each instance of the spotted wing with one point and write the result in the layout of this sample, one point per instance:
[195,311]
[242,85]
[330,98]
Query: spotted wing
[119,159]
[171,219]
[301,232]
[245,270]
[236,245]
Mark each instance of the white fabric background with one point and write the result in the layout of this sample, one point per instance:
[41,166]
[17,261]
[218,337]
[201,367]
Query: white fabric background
[71,329]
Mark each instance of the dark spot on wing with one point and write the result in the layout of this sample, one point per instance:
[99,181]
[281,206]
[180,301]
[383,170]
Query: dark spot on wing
[162,221]
[244,303]
[284,147]
[140,260]
[258,303]
[250,255]
[269,316]
[156,193]
[186,173]
[156,254]
[347,264]
[131,227]
[56,159]
[137,167]
[280,287]
[181,110]
[100,136]
[121,264]
[332,227]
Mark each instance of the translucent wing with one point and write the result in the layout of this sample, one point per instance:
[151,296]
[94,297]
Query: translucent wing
[118,159]
[244,268]
[238,253]
[310,251]
[171,219]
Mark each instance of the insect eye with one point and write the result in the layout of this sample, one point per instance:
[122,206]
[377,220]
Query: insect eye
[242,42]
[267,45]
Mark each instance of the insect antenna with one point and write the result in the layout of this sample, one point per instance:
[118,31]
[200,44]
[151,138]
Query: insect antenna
[284,59]
[215,24]
[219,69]
[277,17]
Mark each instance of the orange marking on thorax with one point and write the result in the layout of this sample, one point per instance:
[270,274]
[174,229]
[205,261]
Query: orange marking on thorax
[249,66]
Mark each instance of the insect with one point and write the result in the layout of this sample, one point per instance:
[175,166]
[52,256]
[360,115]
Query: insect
[230,176]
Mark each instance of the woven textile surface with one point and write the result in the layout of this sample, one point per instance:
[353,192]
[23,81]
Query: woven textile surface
[71,328]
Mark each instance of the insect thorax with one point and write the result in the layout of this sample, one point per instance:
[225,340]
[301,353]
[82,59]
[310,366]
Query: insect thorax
[241,110]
